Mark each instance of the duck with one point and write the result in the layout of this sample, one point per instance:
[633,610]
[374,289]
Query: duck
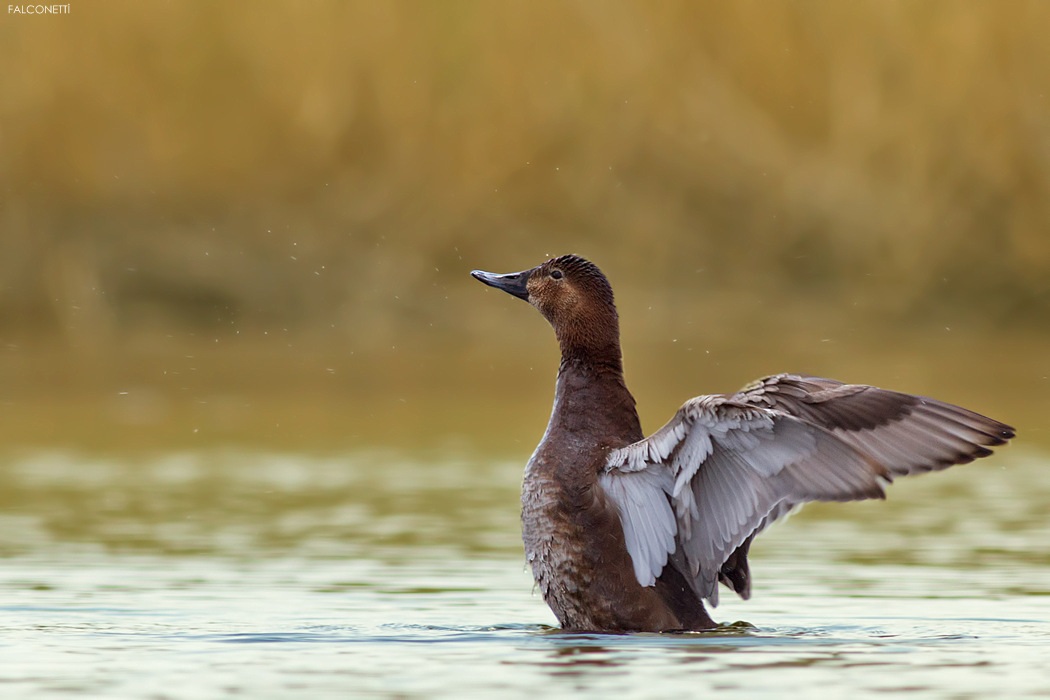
[626,533]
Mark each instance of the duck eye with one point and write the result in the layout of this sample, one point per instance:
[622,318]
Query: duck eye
[556,274]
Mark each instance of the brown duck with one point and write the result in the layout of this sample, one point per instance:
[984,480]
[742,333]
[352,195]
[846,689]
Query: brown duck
[631,533]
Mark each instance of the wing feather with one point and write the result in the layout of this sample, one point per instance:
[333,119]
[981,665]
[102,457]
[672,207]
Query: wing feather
[645,511]
[697,491]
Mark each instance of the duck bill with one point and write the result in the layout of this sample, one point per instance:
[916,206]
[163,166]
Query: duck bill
[514,283]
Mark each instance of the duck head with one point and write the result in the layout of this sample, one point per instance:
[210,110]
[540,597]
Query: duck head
[577,300]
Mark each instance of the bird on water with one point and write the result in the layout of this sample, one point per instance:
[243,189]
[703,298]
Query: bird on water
[627,533]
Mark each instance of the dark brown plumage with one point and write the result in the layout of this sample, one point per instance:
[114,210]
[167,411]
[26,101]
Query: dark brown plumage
[628,533]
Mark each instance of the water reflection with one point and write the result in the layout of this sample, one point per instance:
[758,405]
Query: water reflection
[235,504]
[122,571]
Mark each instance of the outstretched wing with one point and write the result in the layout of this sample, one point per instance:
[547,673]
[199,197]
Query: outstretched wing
[698,490]
[907,434]
[728,466]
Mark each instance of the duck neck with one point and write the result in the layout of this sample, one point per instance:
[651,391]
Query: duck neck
[591,340]
[592,402]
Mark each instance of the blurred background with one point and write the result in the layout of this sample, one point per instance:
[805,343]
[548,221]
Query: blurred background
[225,223]
[250,393]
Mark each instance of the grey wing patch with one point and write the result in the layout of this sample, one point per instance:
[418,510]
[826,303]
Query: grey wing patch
[733,469]
[735,464]
[641,498]
[908,434]
[746,484]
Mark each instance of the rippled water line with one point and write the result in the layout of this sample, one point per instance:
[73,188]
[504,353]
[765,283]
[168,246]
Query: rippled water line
[263,575]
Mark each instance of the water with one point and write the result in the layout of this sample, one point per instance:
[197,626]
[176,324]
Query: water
[231,574]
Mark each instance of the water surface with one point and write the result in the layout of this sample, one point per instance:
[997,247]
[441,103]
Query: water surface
[224,573]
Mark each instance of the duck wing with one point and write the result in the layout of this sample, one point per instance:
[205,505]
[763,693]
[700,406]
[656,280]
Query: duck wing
[698,490]
[907,434]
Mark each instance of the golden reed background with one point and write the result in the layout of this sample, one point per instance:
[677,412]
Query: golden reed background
[208,198]
[303,164]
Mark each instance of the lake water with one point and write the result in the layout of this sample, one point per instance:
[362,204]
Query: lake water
[221,573]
